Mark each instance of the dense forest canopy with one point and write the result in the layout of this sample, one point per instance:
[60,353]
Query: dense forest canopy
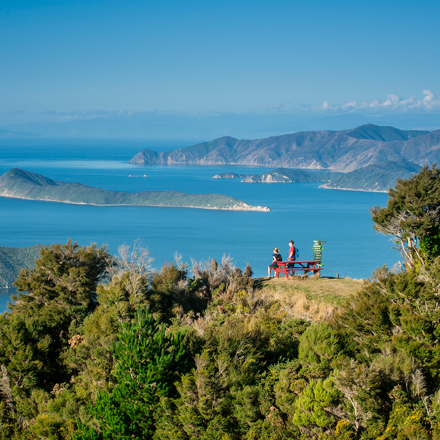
[105,348]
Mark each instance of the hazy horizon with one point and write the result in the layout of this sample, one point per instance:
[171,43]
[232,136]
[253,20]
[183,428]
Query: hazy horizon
[198,70]
[144,127]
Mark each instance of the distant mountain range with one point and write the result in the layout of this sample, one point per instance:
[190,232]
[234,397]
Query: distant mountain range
[23,184]
[372,156]
[343,151]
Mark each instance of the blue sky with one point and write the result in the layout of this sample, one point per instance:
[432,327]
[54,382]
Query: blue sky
[330,57]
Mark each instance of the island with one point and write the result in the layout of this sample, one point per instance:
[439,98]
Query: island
[22,184]
[279,175]
[229,176]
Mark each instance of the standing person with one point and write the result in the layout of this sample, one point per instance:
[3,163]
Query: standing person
[275,257]
[292,252]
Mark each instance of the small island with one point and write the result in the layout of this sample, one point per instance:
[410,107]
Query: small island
[229,176]
[21,184]
[279,175]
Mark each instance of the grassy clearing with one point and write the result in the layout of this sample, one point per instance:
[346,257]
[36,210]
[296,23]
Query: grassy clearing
[308,298]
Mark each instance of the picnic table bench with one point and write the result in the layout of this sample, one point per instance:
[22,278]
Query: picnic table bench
[294,266]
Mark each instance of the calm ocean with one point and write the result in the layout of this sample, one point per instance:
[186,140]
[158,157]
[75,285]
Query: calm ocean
[302,212]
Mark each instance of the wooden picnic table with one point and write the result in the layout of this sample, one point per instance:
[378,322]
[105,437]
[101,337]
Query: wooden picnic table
[297,265]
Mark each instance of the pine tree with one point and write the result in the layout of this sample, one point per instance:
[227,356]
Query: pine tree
[147,362]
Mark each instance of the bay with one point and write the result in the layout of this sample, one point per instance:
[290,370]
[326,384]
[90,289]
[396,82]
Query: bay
[5,297]
[302,212]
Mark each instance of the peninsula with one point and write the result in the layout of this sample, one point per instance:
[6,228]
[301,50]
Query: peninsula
[21,184]
[378,177]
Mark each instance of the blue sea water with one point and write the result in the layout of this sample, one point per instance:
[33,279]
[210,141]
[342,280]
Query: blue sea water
[302,212]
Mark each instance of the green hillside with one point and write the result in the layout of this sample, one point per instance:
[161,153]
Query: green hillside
[12,260]
[19,183]
[377,177]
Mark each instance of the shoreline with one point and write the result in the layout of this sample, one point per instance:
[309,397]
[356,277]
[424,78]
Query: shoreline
[354,189]
[253,208]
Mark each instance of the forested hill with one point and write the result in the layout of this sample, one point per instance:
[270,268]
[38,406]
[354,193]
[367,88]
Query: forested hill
[343,151]
[23,184]
[378,177]
[12,260]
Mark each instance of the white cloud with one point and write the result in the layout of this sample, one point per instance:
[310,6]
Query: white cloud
[393,103]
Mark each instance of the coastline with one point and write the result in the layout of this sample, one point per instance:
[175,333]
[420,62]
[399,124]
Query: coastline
[232,208]
[354,189]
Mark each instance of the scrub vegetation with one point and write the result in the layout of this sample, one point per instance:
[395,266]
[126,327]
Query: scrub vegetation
[105,348]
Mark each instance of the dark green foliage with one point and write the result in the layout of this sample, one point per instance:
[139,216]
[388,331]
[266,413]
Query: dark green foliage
[286,338]
[147,362]
[319,348]
[35,334]
[65,276]
[168,355]
[430,244]
[62,293]
[412,214]
[401,309]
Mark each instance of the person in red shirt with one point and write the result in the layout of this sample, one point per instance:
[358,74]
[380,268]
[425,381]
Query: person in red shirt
[292,252]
